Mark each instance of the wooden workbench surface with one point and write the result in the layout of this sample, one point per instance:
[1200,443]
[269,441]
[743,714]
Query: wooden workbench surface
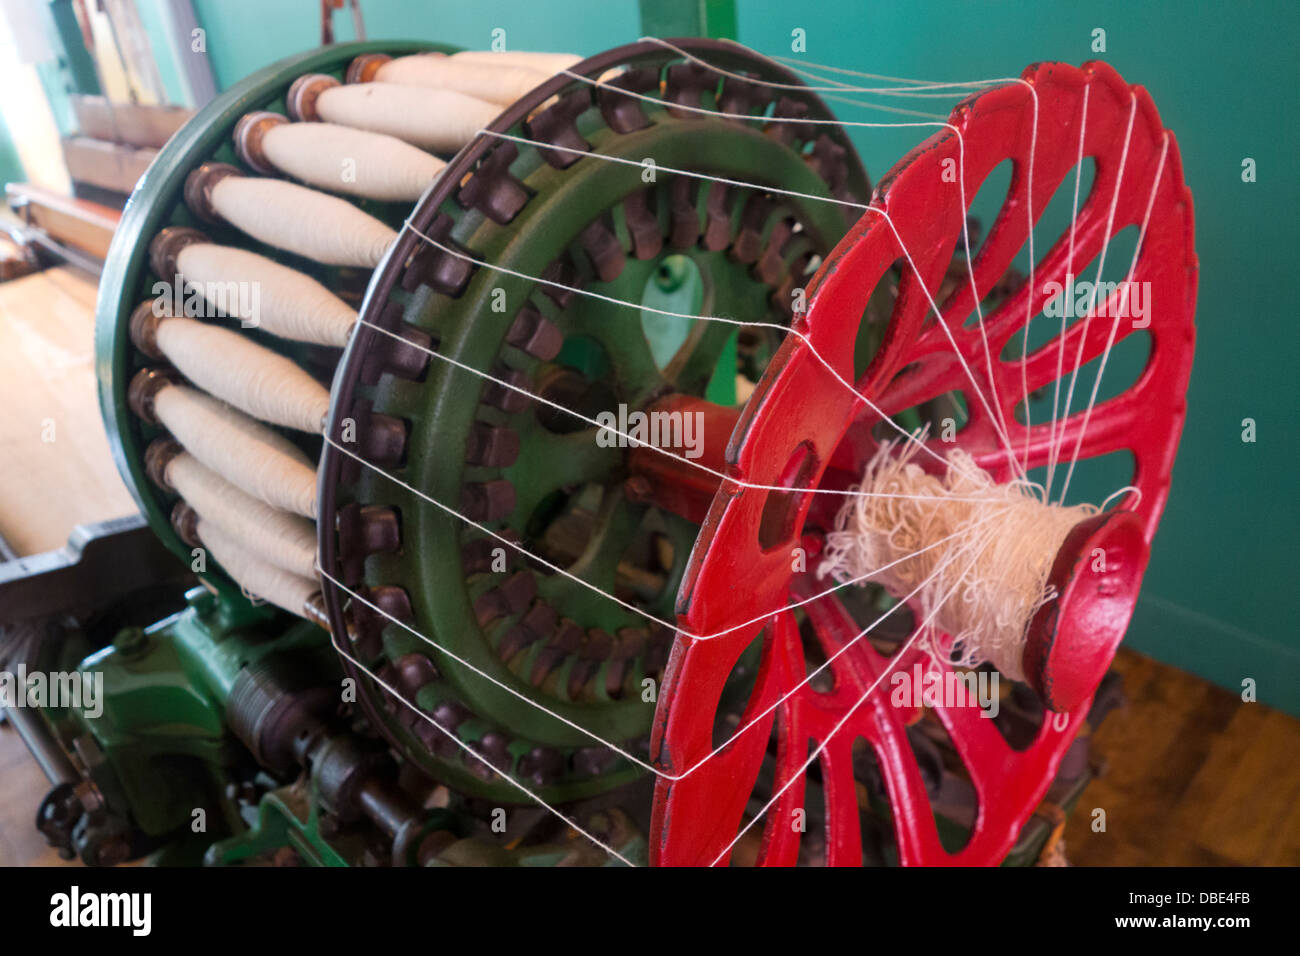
[55,467]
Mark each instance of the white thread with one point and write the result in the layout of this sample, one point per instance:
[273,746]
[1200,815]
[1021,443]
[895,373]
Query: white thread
[1029,297]
[301,220]
[244,452]
[632,441]
[282,588]
[1101,264]
[1069,277]
[438,120]
[754,720]
[898,655]
[537,799]
[999,595]
[288,303]
[953,88]
[645,308]
[541,62]
[995,418]
[790,63]
[349,160]
[504,84]
[686,107]
[242,373]
[999,420]
[1114,327]
[277,537]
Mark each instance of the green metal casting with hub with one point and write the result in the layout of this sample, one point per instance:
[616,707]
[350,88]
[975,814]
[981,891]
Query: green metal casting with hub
[604,225]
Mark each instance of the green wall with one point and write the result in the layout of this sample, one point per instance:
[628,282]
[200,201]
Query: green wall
[1217,597]
[11,167]
[244,35]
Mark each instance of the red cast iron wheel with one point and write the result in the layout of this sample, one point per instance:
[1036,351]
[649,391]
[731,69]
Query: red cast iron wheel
[803,428]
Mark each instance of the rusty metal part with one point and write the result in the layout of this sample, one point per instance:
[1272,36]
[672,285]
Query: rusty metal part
[144,388]
[158,456]
[144,329]
[198,189]
[185,521]
[248,139]
[300,101]
[362,69]
[165,247]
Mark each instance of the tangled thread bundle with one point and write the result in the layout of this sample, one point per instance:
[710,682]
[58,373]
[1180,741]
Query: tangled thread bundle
[984,584]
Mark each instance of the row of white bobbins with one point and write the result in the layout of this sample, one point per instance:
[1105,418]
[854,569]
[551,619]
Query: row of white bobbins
[249,492]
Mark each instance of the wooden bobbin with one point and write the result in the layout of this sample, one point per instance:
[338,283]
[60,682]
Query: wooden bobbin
[287,590]
[245,452]
[185,522]
[363,68]
[157,457]
[300,101]
[248,139]
[165,249]
[143,326]
[144,388]
[198,189]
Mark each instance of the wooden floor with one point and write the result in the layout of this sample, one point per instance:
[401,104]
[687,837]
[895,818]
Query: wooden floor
[22,786]
[1195,776]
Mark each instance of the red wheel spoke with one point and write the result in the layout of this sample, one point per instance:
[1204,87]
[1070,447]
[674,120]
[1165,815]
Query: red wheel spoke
[801,413]
[720,785]
[781,837]
[843,823]
[1109,430]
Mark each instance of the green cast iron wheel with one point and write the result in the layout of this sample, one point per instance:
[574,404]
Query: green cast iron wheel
[525,470]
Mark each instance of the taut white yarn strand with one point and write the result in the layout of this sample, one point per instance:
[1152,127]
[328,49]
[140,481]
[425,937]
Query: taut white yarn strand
[287,303]
[244,374]
[244,452]
[439,120]
[301,220]
[277,537]
[348,160]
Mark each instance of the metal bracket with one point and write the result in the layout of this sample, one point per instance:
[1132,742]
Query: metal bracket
[100,564]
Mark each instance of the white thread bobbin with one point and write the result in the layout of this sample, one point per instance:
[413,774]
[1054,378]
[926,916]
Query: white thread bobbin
[988,586]
[337,158]
[280,300]
[439,120]
[223,363]
[288,216]
[286,541]
[246,453]
[548,63]
[284,589]
[502,84]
